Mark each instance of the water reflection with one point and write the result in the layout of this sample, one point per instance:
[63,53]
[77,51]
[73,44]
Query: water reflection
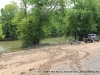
[1,48]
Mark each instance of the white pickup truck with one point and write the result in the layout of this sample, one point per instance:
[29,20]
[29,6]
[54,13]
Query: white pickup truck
[91,38]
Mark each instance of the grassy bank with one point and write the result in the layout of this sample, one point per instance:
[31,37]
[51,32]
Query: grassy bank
[56,40]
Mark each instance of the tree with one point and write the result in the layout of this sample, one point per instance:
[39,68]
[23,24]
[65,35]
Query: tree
[30,24]
[7,14]
[40,18]
[81,20]
[58,18]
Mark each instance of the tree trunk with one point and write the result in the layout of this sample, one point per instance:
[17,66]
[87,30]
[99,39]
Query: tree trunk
[75,36]
[25,8]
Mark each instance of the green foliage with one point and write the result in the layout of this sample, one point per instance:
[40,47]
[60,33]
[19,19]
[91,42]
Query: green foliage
[26,33]
[82,19]
[30,33]
[17,18]
[31,28]
[7,14]
[1,33]
[37,19]
[58,19]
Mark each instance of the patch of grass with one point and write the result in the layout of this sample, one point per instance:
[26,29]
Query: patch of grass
[56,40]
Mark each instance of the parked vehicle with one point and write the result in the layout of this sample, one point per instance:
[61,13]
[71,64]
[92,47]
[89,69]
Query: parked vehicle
[91,38]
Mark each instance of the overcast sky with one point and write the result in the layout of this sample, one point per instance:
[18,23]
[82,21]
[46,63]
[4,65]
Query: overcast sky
[4,2]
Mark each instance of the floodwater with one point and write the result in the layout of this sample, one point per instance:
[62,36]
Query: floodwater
[1,48]
[10,45]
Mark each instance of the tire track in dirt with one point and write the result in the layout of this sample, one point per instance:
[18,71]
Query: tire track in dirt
[55,55]
[18,63]
[73,56]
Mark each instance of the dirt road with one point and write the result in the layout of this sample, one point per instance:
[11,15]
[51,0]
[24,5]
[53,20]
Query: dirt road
[62,59]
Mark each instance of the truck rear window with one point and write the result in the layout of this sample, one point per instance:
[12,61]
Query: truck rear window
[90,35]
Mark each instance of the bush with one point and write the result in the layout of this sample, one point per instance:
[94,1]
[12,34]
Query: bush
[29,33]
[1,33]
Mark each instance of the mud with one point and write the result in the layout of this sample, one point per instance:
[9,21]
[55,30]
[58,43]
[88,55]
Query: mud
[60,59]
[72,56]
